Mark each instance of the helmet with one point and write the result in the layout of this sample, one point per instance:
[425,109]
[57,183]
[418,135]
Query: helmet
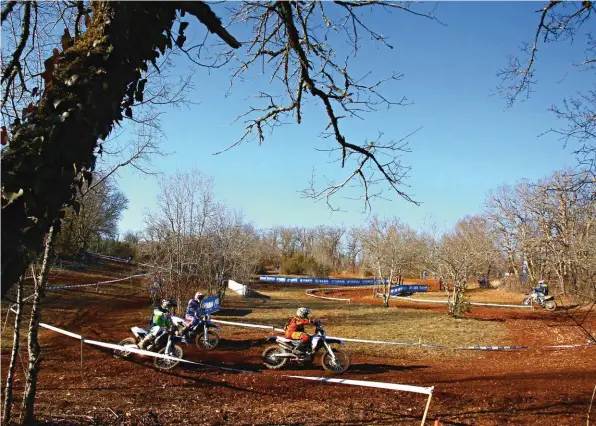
[541,282]
[168,303]
[199,296]
[303,312]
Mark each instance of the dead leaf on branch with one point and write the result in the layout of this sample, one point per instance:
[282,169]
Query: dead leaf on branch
[4,136]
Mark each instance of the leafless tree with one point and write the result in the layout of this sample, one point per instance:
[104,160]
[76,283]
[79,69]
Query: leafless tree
[41,278]
[196,240]
[558,22]
[7,407]
[550,224]
[461,254]
[100,207]
[390,249]
[291,43]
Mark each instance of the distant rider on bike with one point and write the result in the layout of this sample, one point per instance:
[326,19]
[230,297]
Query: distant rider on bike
[161,322]
[295,329]
[542,290]
[194,310]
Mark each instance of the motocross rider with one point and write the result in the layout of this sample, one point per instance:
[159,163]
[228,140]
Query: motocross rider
[542,290]
[162,321]
[295,329]
[194,310]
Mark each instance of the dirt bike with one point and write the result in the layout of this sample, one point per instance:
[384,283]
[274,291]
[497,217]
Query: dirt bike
[334,360]
[164,344]
[204,338]
[547,302]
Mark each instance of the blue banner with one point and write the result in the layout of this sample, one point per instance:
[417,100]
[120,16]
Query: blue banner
[323,281]
[408,288]
[210,304]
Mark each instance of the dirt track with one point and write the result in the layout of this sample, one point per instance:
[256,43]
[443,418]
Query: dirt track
[543,387]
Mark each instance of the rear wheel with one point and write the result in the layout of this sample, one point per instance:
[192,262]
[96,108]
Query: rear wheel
[168,364]
[271,359]
[124,353]
[550,305]
[207,344]
[339,365]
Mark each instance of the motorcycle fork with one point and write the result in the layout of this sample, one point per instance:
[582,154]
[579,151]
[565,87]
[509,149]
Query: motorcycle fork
[328,347]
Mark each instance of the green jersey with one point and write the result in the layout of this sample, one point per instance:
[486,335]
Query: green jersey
[162,318]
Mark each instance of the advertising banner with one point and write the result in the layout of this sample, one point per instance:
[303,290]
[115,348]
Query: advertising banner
[408,288]
[321,281]
[210,304]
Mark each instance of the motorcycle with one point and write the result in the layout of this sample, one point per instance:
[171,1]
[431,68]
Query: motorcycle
[547,302]
[164,344]
[334,360]
[204,338]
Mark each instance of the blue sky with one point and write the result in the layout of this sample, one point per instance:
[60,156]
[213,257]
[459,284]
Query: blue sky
[468,143]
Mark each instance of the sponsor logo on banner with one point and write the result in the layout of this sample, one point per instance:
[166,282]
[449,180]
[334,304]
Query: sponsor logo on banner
[210,304]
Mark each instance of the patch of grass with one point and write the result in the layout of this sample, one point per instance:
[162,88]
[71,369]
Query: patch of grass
[372,323]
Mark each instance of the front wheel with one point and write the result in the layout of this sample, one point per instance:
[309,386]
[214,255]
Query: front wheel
[207,344]
[337,366]
[168,364]
[527,301]
[271,359]
[550,305]
[124,353]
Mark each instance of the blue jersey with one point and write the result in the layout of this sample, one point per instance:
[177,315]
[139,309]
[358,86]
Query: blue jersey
[193,308]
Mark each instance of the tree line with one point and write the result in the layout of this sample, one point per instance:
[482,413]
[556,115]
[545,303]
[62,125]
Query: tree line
[197,241]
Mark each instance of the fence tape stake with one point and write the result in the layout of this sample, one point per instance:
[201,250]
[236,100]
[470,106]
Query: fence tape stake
[82,341]
[430,395]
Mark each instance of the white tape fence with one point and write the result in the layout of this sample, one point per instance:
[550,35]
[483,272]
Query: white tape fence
[64,287]
[418,344]
[382,385]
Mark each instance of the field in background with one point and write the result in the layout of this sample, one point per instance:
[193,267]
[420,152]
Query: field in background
[472,387]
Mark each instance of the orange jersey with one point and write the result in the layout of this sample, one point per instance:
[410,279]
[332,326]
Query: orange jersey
[296,324]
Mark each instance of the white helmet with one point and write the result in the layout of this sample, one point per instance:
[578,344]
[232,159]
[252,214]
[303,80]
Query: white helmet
[199,296]
[541,282]
[303,312]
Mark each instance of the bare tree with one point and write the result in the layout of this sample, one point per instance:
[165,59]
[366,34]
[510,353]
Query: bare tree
[196,240]
[289,43]
[390,250]
[99,209]
[41,278]
[7,407]
[352,248]
[462,254]
[550,225]
[559,22]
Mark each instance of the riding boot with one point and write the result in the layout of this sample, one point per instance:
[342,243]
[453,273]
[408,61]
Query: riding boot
[146,340]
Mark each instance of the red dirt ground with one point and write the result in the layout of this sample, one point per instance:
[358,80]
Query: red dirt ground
[533,387]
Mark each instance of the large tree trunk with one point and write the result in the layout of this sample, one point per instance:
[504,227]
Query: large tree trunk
[13,356]
[27,412]
[54,147]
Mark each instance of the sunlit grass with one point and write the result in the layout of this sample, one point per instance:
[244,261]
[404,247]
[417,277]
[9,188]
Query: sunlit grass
[370,322]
